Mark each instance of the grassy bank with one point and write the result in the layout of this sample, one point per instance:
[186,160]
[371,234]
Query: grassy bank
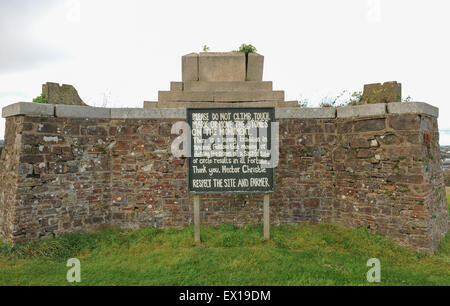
[448,196]
[296,255]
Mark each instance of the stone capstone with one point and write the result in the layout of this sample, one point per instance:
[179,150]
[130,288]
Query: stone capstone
[61,94]
[382,93]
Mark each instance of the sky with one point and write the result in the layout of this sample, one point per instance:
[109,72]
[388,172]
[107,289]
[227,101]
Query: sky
[120,53]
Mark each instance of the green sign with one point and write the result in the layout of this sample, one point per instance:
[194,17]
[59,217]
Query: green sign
[231,150]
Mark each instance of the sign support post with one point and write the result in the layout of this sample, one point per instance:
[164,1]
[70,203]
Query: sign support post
[197,217]
[266,212]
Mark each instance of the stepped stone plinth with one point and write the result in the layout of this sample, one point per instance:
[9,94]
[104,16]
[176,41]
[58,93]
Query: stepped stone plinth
[221,79]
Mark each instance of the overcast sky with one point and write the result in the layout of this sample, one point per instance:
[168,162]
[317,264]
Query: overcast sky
[123,52]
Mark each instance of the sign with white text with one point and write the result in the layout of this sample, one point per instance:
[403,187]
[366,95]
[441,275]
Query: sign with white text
[232,150]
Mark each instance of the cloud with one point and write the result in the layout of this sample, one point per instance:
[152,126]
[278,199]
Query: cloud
[21,32]
[444,139]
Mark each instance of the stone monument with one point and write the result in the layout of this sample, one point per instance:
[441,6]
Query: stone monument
[74,168]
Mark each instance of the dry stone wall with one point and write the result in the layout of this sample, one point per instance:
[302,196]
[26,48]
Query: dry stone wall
[74,169]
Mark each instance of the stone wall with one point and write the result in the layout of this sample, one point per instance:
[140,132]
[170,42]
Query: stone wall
[73,169]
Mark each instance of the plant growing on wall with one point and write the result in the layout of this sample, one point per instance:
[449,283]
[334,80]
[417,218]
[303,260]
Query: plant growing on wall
[407,99]
[206,48]
[355,98]
[343,99]
[303,102]
[246,49]
[41,99]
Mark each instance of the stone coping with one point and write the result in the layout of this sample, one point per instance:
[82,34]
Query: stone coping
[73,111]
[29,109]
[305,112]
[361,110]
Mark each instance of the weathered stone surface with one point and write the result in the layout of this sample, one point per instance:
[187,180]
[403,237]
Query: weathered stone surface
[364,153]
[189,67]
[218,66]
[72,111]
[367,125]
[359,143]
[183,96]
[361,110]
[406,122]
[220,96]
[412,108]
[227,86]
[301,112]
[255,67]
[176,86]
[148,113]
[382,93]
[64,94]
[247,96]
[28,109]
[169,104]
[221,78]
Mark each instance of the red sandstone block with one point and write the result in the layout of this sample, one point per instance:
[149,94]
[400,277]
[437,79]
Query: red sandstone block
[312,203]
[73,130]
[412,179]
[320,139]
[47,128]
[126,130]
[138,146]
[419,208]
[422,199]
[388,187]
[93,131]
[404,122]
[417,214]
[365,153]
[122,145]
[370,125]
[359,143]
[113,131]
[31,159]
[146,129]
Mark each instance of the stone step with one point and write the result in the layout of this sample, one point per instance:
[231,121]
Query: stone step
[290,104]
[220,96]
[220,86]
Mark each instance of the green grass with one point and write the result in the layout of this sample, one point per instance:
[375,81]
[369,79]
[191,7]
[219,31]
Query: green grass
[448,197]
[296,255]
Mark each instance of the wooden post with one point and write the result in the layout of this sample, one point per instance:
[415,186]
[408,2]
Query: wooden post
[197,217]
[266,213]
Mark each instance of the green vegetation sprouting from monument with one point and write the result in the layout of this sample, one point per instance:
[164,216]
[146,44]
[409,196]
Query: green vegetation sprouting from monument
[41,99]
[246,49]
[243,48]
[296,255]
[342,99]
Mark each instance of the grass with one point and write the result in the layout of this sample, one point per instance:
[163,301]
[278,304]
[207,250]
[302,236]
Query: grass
[447,189]
[296,255]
